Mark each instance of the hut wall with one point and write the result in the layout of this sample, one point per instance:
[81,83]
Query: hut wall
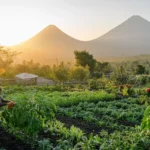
[32,81]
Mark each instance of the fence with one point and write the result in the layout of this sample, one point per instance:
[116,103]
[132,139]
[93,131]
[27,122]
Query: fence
[7,82]
[40,81]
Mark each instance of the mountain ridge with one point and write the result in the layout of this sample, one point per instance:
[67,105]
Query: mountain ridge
[129,38]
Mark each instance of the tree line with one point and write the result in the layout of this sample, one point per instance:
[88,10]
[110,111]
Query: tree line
[85,67]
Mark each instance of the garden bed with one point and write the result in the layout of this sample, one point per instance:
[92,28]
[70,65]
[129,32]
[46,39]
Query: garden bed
[83,125]
[10,142]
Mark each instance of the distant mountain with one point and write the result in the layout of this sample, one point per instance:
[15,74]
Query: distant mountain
[49,46]
[132,37]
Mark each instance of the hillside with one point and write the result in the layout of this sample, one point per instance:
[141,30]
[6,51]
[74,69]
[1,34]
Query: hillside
[129,38]
[52,45]
[49,46]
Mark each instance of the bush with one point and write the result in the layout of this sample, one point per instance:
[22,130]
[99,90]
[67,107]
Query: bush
[94,84]
[128,91]
[142,80]
[144,99]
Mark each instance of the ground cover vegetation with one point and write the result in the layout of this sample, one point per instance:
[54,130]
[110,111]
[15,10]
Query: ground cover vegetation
[48,119]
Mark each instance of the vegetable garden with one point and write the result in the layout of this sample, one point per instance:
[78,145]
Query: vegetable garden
[45,118]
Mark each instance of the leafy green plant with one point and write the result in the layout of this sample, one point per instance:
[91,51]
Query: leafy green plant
[45,144]
[30,116]
[35,111]
[146,120]
[144,99]
[128,91]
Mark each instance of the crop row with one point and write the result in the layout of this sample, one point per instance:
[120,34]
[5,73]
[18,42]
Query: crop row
[33,120]
[107,114]
[63,99]
[75,139]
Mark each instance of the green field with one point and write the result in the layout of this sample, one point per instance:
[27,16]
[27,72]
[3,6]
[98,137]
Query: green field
[48,119]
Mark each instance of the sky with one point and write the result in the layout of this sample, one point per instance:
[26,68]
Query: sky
[81,19]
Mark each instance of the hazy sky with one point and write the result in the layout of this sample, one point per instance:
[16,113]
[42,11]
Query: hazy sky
[82,19]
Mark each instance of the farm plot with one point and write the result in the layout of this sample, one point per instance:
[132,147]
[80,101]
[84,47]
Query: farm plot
[112,115]
[84,120]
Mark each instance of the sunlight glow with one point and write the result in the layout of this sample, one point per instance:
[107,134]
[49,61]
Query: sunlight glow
[83,20]
[19,24]
[2,71]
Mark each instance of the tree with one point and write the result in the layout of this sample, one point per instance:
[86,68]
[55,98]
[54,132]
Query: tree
[120,75]
[79,73]
[140,69]
[83,58]
[45,71]
[61,72]
[103,67]
[7,56]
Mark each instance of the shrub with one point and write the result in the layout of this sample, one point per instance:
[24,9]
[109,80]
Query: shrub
[128,91]
[94,84]
[144,99]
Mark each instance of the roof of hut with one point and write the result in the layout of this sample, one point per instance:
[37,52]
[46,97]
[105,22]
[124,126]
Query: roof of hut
[26,76]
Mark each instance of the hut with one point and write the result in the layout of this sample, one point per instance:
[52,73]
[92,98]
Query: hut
[43,81]
[26,79]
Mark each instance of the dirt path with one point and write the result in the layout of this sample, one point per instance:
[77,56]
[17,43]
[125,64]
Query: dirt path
[9,142]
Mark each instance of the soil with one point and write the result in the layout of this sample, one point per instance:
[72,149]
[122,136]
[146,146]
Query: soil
[10,142]
[127,123]
[83,125]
